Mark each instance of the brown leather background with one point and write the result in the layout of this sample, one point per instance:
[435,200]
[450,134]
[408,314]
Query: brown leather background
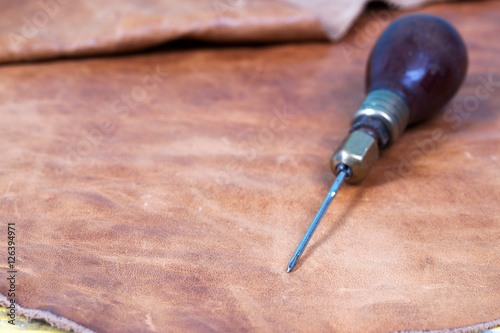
[173,202]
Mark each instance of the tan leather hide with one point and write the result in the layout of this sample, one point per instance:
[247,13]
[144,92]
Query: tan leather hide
[167,191]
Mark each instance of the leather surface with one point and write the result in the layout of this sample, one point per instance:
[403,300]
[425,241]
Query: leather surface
[168,191]
[34,30]
[53,28]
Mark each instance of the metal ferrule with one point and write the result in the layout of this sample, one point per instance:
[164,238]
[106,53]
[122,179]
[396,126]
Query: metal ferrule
[387,106]
[359,151]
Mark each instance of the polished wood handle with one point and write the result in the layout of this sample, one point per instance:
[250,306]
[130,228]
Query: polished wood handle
[423,59]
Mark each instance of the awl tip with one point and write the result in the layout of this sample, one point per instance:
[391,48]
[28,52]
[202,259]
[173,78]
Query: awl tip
[292,263]
[343,173]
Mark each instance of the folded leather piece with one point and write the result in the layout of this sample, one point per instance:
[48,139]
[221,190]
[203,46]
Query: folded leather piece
[336,17]
[167,191]
[34,30]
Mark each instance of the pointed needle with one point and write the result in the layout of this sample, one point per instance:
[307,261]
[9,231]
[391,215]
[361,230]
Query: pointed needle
[331,194]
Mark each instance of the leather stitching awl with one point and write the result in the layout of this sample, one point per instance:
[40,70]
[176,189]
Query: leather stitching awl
[415,68]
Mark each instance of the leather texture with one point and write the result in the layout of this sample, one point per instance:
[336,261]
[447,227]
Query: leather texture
[166,192]
[34,30]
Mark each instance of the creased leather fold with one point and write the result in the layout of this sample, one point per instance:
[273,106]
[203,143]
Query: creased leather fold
[44,29]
